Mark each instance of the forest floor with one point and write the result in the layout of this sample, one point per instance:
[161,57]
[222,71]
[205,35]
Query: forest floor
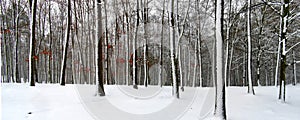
[78,102]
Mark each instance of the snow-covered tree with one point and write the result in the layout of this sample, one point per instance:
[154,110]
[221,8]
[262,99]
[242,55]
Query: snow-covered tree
[284,16]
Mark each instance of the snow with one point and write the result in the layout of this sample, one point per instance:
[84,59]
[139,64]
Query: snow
[77,102]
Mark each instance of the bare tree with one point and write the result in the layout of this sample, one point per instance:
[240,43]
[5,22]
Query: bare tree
[283,31]
[220,109]
[172,49]
[32,56]
[66,45]
[250,86]
[98,53]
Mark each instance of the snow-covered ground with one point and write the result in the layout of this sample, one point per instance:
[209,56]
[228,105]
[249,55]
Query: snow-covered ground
[78,102]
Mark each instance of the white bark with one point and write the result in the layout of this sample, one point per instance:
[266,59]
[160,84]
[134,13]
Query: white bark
[145,43]
[172,47]
[226,58]
[250,86]
[220,110]
[134,47]
[180,67]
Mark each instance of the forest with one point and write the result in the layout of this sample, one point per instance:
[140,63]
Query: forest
[139,43]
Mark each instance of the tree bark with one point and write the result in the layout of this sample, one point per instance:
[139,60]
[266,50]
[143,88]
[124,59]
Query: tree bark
[295,68]
[32,56]
[249,53]
[220,108]
[172,47]
[98,54]
[283,31]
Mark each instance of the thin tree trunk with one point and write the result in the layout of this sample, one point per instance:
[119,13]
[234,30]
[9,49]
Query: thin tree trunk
[250,86]
[277,63]
[50,45]
[161,46]
[3,38]
[17,77]
[195,65]
[134,74]
[145,18]
[295,69]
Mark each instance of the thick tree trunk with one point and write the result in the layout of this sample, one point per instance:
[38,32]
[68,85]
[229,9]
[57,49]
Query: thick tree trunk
[220,109]
[32,56]
[98,54]
[66,45]
[283,52]
[172,49]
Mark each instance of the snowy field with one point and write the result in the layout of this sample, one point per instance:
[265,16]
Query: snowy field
[77,102]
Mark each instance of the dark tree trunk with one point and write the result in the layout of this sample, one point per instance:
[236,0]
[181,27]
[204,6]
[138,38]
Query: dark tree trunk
[99,66]
[65,52]
[32,57]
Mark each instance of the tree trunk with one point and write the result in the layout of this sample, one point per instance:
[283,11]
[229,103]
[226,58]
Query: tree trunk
[32,56]
[295,69]
[161,46]
[283,52]
[220,109]
[172,49]
[145,18]
[66,45]
[134,72]
[50,46]
[249,59]
[98,54]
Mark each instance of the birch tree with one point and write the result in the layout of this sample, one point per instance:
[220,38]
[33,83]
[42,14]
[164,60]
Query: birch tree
[134,72]
[172,49]
[220,110]
[250,86]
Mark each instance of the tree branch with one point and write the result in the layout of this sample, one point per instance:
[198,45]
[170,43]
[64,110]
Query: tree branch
[292,47]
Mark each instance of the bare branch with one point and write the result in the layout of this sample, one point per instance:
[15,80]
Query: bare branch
[292,47]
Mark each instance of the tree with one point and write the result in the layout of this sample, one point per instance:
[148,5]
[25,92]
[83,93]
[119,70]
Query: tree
[16,23]
[98,53]
[172,49]
[220,108]
[66,45]
[32,56]
[283,32]
[134,74]
[250,86]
